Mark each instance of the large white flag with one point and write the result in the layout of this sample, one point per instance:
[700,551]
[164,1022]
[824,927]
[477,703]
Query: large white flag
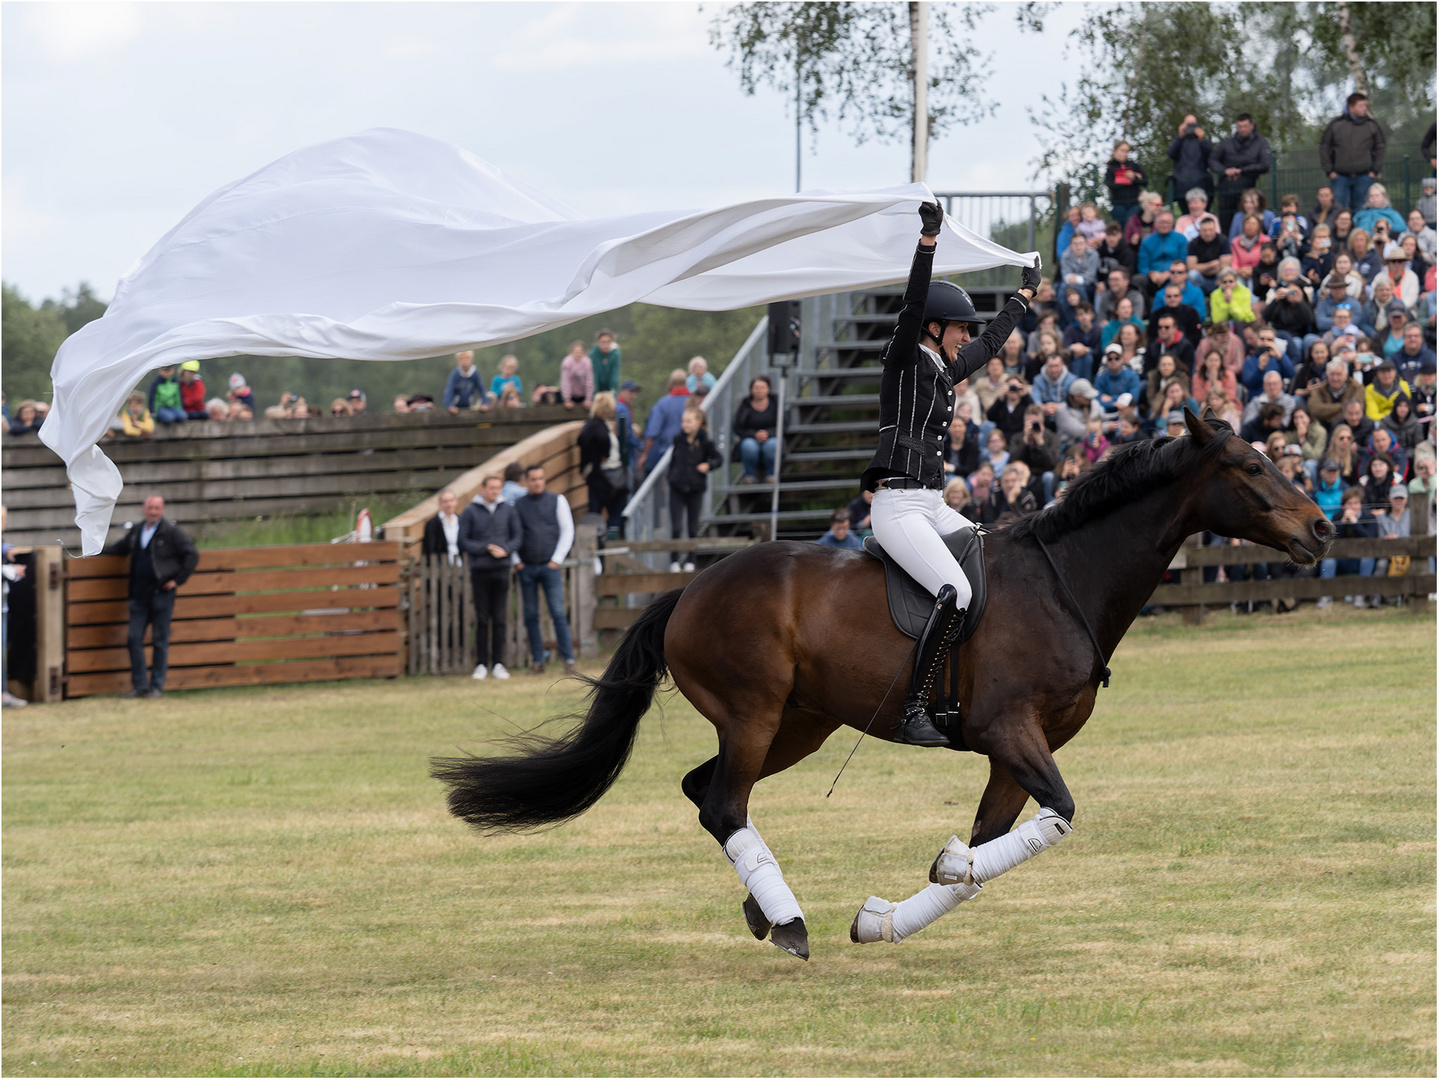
[389,245]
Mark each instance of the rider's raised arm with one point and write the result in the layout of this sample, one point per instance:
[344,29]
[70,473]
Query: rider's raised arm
[979,352]
[907,329]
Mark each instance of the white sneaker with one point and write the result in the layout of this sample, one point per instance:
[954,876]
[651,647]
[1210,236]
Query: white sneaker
[10,701]
[674,568]
[499,672]
[1359,601]
[689,568]
[1324,602]
[480,672]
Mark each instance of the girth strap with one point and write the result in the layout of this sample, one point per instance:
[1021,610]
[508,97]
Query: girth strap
[1075,604]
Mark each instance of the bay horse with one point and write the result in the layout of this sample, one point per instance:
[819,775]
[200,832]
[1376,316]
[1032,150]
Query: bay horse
[762,644]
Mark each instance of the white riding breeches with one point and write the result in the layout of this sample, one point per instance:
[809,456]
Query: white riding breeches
[908,523]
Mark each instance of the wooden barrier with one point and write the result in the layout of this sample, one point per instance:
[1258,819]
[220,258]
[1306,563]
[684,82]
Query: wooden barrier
[217,472]
[1194,594]
[627,585]
[247,616]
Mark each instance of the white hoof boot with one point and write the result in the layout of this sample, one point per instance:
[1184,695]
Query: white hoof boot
[952,866]
[873,922]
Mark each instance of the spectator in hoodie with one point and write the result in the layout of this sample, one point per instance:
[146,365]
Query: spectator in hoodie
[507,378]
[240,392]
[164,397]
[1289,207]
[192,391]
[1159,250]
[1125,180]
[464,389]
[1376,207]
[692,458]
[577,377]
[1426,204]
[1231,302]
[1238,162]
[1190,153]
[1379,395]
[1351,152]
[490,533]
[1115,253]
[605,359]
[1081,341]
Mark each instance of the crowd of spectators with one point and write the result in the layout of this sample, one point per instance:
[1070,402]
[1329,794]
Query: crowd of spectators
[1310,331]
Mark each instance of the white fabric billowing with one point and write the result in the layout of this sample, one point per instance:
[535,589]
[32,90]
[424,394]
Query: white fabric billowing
[909,524]
[389,245]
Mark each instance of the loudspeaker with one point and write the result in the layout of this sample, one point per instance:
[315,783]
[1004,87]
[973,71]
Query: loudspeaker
[784,327]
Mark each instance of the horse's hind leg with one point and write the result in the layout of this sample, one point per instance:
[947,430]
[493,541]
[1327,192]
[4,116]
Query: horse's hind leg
[696,783]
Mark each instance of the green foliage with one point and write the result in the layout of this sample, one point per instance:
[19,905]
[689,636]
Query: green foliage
[29,337]
[1142,67]
[853,60]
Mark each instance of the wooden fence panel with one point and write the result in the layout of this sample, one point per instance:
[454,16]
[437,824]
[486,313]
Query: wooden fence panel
[246,617]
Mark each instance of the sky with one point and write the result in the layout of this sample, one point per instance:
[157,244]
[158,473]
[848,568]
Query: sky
[117,118]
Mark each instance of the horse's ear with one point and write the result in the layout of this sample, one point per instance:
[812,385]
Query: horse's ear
[1201,431]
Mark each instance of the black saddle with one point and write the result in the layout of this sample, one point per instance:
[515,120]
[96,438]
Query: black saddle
[910,603]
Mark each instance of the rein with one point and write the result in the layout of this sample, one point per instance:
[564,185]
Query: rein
[1075,605]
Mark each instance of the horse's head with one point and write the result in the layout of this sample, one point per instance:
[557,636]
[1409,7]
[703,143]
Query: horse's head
[1243,494]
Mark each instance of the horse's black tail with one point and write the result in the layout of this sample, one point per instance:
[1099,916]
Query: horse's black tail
[553,780]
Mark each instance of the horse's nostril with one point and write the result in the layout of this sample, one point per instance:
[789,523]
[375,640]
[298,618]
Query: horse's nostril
[1323,528]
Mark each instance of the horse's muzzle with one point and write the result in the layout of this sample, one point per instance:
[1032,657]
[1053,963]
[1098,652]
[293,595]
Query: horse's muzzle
[1308,550]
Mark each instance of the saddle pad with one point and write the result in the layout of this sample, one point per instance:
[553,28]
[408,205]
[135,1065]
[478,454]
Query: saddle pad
[910,602]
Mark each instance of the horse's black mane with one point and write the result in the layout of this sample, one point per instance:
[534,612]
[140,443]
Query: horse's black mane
[1129,472]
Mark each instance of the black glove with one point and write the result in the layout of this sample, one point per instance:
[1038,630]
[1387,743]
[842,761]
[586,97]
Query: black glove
[932,217]
[1029,277]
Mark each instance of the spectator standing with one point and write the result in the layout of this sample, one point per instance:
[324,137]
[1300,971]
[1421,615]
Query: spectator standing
[839,534]
[577,377]
[699,375]
[754,427]
[625,419]
[464,389]
[1239,161]
[490,532]
[508,378]
[605,360]
[135,419]
[1351,151]
[692,458]
[162,558]
[604,462]
[442,532]
[164,397]
[663,423]
[514,486]
[549,532]
[1190,153]
[9,571]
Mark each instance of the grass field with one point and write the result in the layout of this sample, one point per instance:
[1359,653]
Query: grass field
[260,882]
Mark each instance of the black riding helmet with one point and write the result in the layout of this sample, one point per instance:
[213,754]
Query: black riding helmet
[947,303]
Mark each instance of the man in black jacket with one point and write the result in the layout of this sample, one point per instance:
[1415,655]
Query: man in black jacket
[1239,161]
[490,531]
[1351,152]
[162,558]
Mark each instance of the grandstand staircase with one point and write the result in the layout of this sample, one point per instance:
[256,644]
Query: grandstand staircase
[831,417]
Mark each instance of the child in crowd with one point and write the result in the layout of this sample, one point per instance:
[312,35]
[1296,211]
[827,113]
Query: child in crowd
[240,392]
[508,379]
[135,418]
[192,391]
[693,456]
[577,377]
[164,397]
[1091,225]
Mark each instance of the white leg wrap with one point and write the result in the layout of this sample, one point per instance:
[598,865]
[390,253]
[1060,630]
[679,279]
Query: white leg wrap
[926,907]
[761,875]
[952,865]
[1006,852]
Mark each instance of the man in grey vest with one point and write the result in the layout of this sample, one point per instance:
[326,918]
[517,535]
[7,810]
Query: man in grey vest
[549,530]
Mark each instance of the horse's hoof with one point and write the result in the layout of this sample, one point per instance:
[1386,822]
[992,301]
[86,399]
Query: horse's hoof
[793,938]
[754,918]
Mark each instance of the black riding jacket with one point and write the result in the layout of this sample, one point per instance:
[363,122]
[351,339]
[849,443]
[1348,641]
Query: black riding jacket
[916,391]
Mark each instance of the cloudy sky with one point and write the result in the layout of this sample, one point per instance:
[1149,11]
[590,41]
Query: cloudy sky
[117,118]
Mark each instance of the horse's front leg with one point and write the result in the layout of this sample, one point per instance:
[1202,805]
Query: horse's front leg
[1021,766]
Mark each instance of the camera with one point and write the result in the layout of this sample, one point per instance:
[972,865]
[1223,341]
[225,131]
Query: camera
[1190,128]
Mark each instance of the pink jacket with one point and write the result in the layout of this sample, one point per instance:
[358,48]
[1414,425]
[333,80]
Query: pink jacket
[577,378]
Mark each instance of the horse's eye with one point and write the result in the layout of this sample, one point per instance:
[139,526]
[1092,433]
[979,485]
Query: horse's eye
[1254,468]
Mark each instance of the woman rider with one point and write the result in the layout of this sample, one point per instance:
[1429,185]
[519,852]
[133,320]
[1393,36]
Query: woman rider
[930,351]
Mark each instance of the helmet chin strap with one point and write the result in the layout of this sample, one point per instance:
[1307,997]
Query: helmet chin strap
[938,341]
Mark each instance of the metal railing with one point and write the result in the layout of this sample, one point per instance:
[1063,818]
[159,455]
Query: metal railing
[647,514]
[1019,220]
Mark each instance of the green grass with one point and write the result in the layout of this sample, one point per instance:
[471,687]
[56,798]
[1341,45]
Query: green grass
[304,528]
[264,882]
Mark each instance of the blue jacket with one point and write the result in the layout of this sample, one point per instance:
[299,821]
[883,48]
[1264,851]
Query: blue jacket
[1046,390]
[1252,374]
[1111,386]
[1157,252]
[626,421]
[1366,218]
[464,391]
[850,542]
[1329,497]
[1194,296]
[663,425]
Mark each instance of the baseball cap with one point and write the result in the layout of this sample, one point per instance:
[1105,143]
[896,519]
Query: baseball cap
[1114,347]
[1293,450]
[1124,400]
[1426,367]
[1083,388]
[1385,365]
[1396,307]
[1330,465]
[357,395]
[1399,491]
[237,381]
[630,384]
[1174,417]
[190,365]
[1394,253]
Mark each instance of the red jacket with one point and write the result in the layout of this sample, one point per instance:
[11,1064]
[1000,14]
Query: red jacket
[192,395]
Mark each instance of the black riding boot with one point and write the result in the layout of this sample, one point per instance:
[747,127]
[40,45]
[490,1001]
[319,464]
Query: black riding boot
[916,727]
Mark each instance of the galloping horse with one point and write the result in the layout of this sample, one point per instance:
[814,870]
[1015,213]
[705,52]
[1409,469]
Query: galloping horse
[753,644]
